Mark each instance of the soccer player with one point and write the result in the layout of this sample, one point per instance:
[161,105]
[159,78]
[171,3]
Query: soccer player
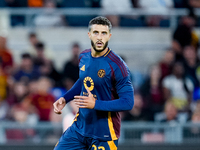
[105,89]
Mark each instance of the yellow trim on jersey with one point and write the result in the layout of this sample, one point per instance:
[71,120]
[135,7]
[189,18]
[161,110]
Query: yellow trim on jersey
[107,53]
[110,124]
[112,145]
[75,119]
[57,144]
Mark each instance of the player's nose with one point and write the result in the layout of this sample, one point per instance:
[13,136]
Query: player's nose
[99,37]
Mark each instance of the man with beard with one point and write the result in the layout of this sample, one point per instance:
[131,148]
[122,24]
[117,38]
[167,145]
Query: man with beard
[105,89]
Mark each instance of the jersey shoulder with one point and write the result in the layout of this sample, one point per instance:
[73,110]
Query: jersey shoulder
[117,64]
[84,53]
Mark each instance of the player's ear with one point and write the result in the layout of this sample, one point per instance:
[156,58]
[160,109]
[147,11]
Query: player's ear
[110,34]
[89,34]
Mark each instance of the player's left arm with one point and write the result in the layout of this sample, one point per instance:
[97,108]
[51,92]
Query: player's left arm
[125,101]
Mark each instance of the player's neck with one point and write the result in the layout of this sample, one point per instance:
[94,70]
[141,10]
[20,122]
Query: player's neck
[98,54]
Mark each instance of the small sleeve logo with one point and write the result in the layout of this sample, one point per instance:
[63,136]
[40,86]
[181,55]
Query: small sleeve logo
[83,68]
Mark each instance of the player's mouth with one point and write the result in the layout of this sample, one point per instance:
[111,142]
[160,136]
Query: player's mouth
[99,44]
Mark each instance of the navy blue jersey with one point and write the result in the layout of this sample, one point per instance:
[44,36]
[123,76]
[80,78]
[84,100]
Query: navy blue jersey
[108,79]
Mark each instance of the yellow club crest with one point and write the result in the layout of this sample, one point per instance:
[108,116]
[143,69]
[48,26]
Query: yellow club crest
[101,73]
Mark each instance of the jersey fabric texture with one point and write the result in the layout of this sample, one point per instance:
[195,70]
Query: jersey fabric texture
[108,79]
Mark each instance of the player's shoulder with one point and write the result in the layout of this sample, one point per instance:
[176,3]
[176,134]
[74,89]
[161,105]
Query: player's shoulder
[115,59]
[117,63]
[84,53]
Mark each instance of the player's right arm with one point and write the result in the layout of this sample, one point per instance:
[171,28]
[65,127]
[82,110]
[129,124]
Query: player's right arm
[59,105]
[67,97]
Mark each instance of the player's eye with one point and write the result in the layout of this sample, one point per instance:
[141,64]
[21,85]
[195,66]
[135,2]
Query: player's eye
[95,32]
[104,33]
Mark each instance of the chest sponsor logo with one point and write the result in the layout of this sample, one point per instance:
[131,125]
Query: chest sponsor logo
[101,73]
[83,68]
[88,83]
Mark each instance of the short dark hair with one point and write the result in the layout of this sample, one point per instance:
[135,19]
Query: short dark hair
[100,21]
[75,44]
[32,34]
[39,46]
[26,55]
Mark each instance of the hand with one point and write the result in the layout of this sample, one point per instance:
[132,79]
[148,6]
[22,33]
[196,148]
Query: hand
[59,105]
[85,101]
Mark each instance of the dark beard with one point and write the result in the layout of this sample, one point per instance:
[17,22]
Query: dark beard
[93,45]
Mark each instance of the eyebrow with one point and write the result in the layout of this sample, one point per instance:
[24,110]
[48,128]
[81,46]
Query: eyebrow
[100,31]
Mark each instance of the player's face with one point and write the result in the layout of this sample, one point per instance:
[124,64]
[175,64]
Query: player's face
[99,36]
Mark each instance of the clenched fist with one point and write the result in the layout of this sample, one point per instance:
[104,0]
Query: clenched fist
[59,105]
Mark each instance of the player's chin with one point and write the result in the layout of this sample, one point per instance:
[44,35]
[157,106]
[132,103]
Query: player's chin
[99,49]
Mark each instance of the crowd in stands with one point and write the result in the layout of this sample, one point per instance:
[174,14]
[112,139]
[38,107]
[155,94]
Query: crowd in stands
[29,89]
[171,91]
[49,18]
[35,80]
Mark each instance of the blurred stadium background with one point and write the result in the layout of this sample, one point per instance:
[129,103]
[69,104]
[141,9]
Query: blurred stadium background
[158,39]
